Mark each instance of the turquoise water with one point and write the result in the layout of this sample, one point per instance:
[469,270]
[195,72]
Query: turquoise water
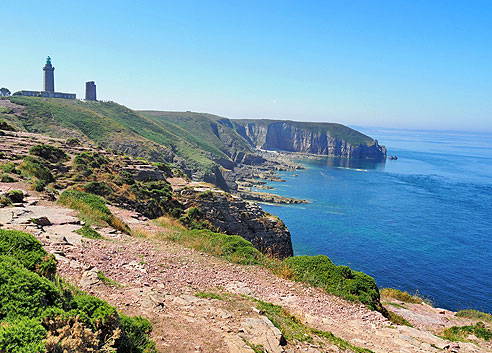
[422,222]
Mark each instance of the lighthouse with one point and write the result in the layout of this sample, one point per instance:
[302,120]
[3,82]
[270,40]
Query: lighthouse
[49,76]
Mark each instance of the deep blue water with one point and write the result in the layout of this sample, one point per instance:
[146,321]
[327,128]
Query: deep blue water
[422,222]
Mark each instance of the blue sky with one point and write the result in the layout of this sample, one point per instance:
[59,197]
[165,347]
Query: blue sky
[417,64]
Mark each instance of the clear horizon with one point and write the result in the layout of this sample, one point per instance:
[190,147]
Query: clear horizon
[397,64]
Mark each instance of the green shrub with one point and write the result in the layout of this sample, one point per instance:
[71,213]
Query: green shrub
[137,331]
[456,333]
[16,196]
[9,168]
[86,161]
[5,178]
[475,315]
[97,188]
[35,168]
[106,280]
[50,153]
[92,208]
[28,250]
[319,271]
[39,185]
[5,126]
[399,295]
[93,311]
[23,293]
[72,141]
[22,336]
[124,177]
[31,306]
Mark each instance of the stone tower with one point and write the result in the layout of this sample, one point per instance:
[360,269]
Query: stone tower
[49,76]
[90,91]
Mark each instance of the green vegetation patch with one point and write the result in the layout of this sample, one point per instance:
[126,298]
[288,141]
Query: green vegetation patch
[24,293]
[399,295]
[36,169]
[291,327]
[6,126]
[9,168]
[28,251]
[15,196]
[397,319]
[474,315]
[106,280]
[231,247]
[319,271]
[5,178]
[22,335]
[92,208]
[34,308]
[208,295]
[479,330]
[87,232]
[50,153]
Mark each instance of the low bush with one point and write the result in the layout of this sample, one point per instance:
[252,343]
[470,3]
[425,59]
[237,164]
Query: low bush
[5,178]
[38,314]
[16,196]
[23,335]
[52,154]
[92,208]
[397,319]
[399,295]
[98,188]
[72,141]
[23,293]
[35,169]
[294,330]
[28,251]
[137,331]
[85,162]
[9,168]
[474,315]
[456,333]
[6,126]
[319,271]
[5,201]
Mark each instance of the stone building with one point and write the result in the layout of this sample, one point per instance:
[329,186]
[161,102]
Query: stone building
[48,85]
[49,76]
[90,91]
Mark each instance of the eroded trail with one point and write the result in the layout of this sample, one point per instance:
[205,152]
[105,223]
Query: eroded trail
[159,279]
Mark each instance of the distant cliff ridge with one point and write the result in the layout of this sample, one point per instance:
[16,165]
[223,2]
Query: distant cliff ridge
[328,139]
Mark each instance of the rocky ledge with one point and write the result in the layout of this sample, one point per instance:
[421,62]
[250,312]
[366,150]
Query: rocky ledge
[232,215]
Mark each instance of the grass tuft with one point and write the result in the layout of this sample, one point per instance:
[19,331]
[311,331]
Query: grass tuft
[92,208]
[401,296]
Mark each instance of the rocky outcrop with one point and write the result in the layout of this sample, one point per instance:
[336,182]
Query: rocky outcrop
[232,215]
[333,140]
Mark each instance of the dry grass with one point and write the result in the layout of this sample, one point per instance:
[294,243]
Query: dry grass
[401,296]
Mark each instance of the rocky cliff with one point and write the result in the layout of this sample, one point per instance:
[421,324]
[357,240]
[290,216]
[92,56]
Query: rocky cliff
[315,138]
[232,215]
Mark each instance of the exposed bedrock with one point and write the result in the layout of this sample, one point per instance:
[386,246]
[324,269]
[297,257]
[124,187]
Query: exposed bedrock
[231,215]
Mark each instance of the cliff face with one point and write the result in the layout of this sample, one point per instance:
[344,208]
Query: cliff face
[232,215]
[315,138]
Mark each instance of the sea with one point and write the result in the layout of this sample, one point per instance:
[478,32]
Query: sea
[421,223]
